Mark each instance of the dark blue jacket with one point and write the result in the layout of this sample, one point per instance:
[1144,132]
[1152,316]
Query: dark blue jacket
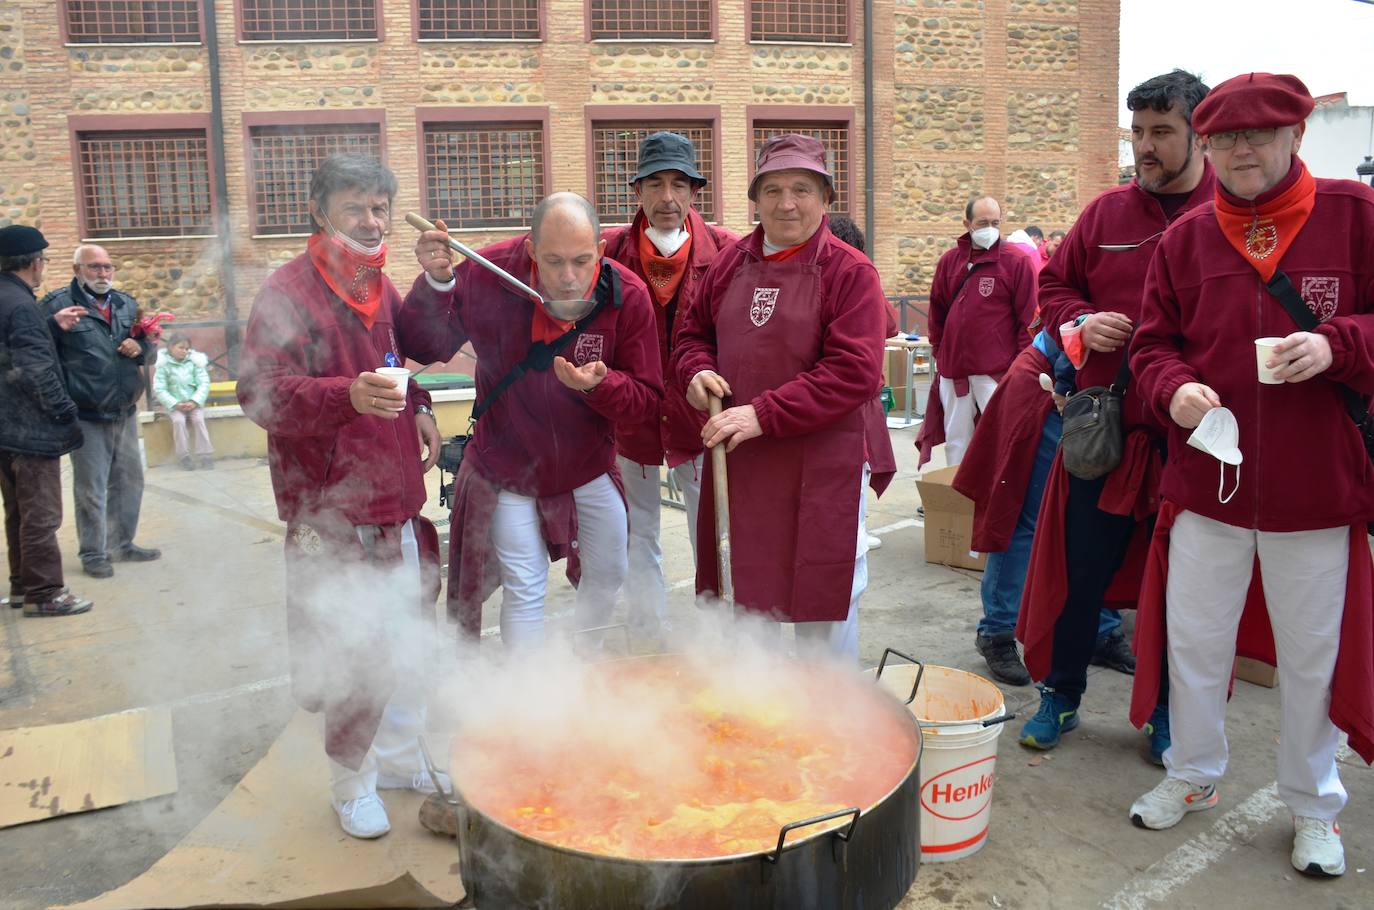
[37,416]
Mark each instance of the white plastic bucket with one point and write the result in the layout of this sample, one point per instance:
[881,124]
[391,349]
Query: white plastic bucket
[958,760]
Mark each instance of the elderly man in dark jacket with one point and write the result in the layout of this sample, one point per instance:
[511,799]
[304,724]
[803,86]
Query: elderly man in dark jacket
[37,426]
[101,362]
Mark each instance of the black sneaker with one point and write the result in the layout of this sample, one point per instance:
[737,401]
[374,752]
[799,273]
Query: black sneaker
[1115,652]
[98,568]
[135,553]
[1004,661]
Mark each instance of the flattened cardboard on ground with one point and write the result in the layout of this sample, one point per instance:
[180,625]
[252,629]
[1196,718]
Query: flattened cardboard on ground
[949,521]
[275,842]
[87,764]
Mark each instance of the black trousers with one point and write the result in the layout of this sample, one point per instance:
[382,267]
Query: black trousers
[1095,545]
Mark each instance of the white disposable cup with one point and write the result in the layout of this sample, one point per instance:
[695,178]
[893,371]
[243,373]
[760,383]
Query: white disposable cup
[1264,350]
[398,375]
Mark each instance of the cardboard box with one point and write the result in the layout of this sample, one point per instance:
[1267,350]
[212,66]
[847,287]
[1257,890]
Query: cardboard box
[893,368]
[1257,672]
[949,521]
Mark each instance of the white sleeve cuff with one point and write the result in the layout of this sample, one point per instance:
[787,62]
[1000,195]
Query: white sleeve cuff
[441,286]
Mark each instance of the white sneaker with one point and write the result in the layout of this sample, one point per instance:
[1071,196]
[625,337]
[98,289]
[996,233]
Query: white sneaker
[1317,846]
[364,817]
[1173,798]
[420,781]
[874,542]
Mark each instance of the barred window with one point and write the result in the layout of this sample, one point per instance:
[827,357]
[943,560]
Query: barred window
[285,157]
[149,183]
[835,138]
[483,175]
[307,20]
[615,149]
[812,21]
[686,20]
[133,21]
[454,19]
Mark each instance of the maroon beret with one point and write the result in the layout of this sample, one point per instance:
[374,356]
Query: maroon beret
[1252,102]
[790,151]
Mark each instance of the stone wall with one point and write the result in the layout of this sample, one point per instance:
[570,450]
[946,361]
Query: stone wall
[1003,96]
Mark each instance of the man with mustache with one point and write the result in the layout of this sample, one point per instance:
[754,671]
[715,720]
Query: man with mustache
[343,443]
[1276,254]
[1090,537]
[538,479]
[91,323]
[669,246]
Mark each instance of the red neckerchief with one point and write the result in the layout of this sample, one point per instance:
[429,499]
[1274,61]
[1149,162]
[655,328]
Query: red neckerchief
[663,274]
[357,279]
[783,255]
[544,327]
[1262,231]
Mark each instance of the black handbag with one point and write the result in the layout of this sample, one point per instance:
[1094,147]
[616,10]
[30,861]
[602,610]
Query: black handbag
[1093,440]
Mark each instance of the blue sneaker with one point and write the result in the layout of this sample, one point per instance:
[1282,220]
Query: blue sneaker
[1057,715]
[1157,728]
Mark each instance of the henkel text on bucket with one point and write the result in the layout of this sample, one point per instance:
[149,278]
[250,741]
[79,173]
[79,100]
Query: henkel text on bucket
[959,761]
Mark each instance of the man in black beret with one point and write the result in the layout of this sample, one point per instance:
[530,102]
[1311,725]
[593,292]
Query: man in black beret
[37,426]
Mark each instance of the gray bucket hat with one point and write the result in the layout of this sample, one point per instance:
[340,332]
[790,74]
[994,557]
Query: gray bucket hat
[664,151]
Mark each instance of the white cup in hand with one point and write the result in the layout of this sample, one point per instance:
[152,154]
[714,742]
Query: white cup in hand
[1264,351]
[398,375]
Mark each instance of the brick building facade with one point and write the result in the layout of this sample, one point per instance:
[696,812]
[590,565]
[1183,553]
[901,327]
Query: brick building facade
[482,106]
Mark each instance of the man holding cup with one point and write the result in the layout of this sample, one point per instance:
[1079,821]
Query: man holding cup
[1300,506]
[343,438]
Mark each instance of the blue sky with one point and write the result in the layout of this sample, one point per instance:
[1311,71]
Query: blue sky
[1329,44]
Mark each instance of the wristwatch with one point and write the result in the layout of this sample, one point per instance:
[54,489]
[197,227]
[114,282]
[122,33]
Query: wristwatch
[424,409]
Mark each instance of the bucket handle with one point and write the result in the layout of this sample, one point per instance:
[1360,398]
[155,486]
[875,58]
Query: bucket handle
[842,834]
[449,798]
[620,626]
[920,671]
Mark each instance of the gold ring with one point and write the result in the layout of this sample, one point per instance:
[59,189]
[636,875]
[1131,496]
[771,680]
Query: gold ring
[374,401]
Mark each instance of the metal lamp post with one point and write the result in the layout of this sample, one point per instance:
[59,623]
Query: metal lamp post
[1365,169]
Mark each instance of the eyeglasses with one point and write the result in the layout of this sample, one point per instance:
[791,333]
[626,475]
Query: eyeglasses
[97,266]
[1224,141]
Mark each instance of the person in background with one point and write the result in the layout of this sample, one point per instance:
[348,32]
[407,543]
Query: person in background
[101,361]
[344,450]
[1296,501]
[38,425]
[181,384]
[669,246]
[1051,244]
[982,302]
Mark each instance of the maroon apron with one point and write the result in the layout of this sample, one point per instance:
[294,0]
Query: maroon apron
[794,502]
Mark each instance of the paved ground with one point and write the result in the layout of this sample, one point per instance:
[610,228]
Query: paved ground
[204,631]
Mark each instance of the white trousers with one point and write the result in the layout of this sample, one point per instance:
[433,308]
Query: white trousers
[646,593]
[394,747]
[1304,575]
[838,640]
[959,413]
[601,545]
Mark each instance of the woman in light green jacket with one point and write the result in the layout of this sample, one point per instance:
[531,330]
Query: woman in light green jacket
[181,384]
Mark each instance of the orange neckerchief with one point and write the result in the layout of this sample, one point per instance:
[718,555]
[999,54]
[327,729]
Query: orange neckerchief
[355,278]
[544,327]
[1262,233]
[783,255]
[662,273]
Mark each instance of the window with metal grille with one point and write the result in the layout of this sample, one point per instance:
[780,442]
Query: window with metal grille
[811,21]
[453,19]
[615,151]
[835,138]
[307,20]
[483,175]
[150,183]
[285,157]
[685,20]
[133,21]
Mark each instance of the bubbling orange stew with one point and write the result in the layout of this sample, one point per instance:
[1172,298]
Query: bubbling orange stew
[712,767]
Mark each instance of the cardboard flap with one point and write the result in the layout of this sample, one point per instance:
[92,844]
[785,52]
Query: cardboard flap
[937,494]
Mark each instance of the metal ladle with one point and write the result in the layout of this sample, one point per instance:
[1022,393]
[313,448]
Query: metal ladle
[562,310]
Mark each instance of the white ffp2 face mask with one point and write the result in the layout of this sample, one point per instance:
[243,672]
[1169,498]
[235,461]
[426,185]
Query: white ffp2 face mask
[984,238]
[1218,435]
